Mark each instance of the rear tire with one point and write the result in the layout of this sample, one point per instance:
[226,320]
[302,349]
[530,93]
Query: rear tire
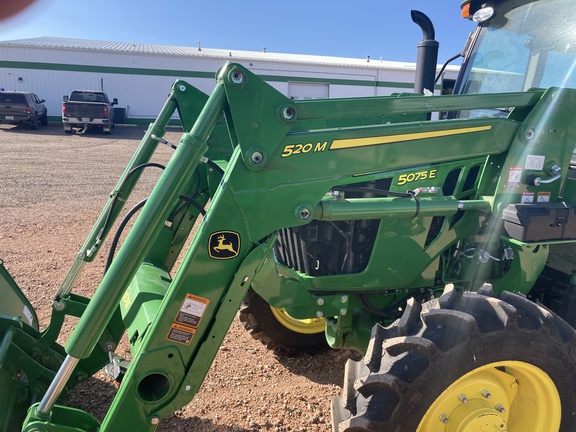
[34,123]
[278,330]
[45,119]
[464,362]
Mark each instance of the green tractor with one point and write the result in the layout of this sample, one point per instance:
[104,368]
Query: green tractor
[433,234]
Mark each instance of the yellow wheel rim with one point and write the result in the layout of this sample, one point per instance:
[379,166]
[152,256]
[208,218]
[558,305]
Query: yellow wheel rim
[303,326]
[510,396]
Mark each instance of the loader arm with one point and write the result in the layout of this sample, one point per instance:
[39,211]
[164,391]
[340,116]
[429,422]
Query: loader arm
[287,155]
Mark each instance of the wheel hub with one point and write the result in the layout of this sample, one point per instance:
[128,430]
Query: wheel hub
[508,395]
[476,416]
[304,326]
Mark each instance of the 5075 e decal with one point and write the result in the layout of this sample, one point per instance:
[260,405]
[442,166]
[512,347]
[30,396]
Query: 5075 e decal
[415,176]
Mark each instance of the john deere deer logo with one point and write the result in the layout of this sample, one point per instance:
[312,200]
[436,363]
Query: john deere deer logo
[224,245]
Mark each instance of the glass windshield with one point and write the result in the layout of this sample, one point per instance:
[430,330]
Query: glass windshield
[528,44]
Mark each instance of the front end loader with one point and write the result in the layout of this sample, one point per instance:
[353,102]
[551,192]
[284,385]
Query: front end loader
[433,234]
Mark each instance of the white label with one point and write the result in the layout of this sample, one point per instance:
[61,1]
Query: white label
[85,119]
[28,315]
[535,162]
[9,117]
[527,198]
[514,177]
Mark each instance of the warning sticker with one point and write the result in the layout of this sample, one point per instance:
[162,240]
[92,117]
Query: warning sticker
[527,197]
[180,334]
[192,310]
[514,177]
[543,197]
[186,322]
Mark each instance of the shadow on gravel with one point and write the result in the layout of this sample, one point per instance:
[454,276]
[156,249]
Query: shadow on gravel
[130,132]
[95,396]
[197,424]
[325,367]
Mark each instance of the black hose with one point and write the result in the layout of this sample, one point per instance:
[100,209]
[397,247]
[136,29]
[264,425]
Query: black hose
[110,211]
[384,193]
[446,63]
[119,231]
[215,166]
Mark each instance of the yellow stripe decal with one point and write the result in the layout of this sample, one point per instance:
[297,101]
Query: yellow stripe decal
[390,139]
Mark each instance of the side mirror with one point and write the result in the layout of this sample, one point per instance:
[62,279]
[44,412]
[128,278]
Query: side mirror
[42,101]
[65,98]
[115,101]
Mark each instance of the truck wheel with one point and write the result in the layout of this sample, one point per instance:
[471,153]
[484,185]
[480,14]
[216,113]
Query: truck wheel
[34,123]
[278,330]
[464,362]
[45,119]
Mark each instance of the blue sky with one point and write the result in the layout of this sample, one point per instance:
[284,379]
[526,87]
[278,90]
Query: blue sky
[381,28]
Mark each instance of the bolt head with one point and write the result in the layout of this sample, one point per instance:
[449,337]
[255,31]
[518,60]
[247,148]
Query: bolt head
[288,113]
[237,77]
[305,214]
[257,157]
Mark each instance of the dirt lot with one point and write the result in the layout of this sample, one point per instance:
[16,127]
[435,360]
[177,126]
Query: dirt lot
[52,188]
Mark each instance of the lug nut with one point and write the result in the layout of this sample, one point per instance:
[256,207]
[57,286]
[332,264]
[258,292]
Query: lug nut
[500,408]
[443,418]
[463,398]
[486,394]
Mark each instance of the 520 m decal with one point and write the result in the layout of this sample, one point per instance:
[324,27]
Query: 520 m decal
[352,143]
[294,149]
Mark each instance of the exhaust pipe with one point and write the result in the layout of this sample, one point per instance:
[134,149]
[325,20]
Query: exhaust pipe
[427,58]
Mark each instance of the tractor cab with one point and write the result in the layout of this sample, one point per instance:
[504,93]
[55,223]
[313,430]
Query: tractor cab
[518,46]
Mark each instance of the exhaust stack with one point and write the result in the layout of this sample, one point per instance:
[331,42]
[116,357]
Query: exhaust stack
[427,58]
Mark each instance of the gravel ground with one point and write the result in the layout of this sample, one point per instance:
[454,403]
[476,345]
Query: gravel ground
[52,188]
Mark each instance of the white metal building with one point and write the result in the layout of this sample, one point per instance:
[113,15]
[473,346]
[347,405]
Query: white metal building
[140,75]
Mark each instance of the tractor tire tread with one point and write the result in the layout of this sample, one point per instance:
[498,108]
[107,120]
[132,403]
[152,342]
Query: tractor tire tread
[408,362]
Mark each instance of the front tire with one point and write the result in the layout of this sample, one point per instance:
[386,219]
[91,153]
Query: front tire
[464,362]
[276,329]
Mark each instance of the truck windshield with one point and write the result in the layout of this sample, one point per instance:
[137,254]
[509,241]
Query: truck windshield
[527,44]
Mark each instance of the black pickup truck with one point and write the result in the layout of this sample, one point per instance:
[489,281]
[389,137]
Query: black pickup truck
[22,108]
[88,108]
